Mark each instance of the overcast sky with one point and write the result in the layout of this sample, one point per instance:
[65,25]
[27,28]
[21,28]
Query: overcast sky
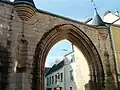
[79,10]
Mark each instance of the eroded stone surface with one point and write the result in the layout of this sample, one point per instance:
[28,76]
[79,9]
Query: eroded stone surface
[35,29]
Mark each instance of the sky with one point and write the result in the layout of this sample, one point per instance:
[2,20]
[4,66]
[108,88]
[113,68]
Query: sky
[79,10]
[57,52]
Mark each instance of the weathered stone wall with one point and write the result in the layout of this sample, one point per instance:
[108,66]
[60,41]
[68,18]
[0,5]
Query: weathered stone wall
[40,23]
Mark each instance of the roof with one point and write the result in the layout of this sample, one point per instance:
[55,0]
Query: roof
[88,20]
[30,2]
[47,69]
[55,67]
[112,18]
[4,1]
[97,20]
[107,12]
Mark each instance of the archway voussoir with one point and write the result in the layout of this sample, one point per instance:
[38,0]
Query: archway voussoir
[78,38]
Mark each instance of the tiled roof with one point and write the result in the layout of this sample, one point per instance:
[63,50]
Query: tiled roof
[55,67]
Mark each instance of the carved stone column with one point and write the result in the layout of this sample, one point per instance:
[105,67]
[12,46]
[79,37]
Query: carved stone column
[109,82]
[91,83]
[22,55]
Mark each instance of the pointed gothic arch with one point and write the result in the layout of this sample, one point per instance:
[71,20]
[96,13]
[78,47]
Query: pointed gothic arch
[78,38]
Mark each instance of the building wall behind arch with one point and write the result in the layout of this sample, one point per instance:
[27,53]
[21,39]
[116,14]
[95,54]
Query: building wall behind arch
[116,42]
[82,69]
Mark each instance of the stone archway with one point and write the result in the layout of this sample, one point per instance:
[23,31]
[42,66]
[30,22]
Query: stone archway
[78,38]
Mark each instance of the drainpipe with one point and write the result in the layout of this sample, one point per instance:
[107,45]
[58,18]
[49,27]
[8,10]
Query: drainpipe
[115,56]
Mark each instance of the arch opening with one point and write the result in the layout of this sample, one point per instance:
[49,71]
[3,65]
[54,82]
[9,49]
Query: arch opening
[67,61]
[80,40]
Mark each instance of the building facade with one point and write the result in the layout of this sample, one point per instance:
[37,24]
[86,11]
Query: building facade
[27,34]
[73,73]
[114,20]
[61,76]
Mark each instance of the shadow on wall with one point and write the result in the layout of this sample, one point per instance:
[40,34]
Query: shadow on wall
[4,66]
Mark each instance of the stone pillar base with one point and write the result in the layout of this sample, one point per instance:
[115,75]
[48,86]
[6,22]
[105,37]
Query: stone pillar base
[91,85]
[110,87]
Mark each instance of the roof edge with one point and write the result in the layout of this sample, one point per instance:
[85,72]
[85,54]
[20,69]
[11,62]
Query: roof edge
[55,67]
[25,2]
[115,25]
[7,2]
[63,17]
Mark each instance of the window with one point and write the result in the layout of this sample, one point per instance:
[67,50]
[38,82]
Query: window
[52,79]
[72,58]
[70,88]
[61,77]
[47,81]
[55,78]
[71,75]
